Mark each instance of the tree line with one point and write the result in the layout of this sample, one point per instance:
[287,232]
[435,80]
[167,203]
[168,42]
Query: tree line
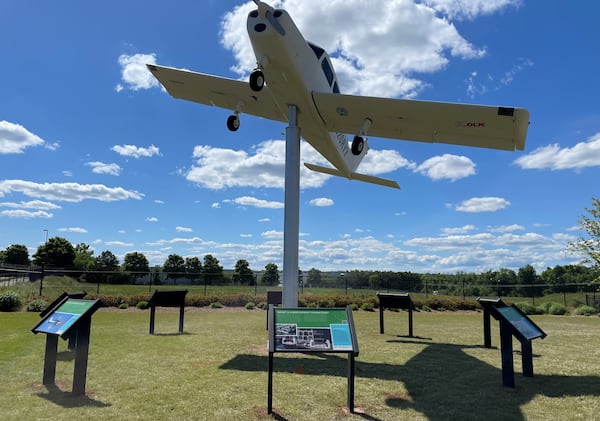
[58,252]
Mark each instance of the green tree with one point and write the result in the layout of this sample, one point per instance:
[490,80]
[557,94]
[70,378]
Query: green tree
[56,252]
[174,266]
[15,254]
[212,270]
[271,275]
[527,278]
[193,269]
[107,262]
[313,277]
[84,257]
[242,273]
[137,264]
[589,246]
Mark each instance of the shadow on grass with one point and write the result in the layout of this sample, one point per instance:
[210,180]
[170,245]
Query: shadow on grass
[442,381]
[172,334]
[67,400]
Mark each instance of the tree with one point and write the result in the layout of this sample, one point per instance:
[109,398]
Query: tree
[84,257]
[174,266]
[527,278]
[15,254]
[193,268]
[313,277]
[56,252]
[242,273]
[137,263]
[271,275]
[107,262]
[591,225]
[212,270]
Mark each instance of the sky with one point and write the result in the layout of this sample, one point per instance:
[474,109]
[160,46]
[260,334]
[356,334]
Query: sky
[94,151]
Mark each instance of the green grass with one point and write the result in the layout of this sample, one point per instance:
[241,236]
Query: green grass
[218,370]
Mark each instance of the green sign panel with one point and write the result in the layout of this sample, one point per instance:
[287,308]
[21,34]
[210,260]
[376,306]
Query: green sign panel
[313,330]
[65,316]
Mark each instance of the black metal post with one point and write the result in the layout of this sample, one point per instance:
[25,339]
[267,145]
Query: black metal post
[81,356]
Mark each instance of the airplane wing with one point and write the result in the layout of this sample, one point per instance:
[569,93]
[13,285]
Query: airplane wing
[425,121]
[221,92]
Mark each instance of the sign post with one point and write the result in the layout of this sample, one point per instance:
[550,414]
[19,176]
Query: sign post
[513,322]
[323,330]
[170,298]
[402,301]
[69,318]
[487,303]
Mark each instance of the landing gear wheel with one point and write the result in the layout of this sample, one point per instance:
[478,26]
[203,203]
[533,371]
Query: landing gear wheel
[233,122]
[357,145]
[257,80]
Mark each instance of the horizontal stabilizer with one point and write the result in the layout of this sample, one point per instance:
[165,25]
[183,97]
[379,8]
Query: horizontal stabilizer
[353,176]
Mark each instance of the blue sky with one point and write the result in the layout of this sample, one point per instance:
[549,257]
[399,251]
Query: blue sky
[92,149]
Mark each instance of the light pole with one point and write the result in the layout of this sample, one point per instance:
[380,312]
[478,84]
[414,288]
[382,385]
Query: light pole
[343,276]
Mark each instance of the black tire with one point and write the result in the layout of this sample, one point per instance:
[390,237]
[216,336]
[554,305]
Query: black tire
[257,80]
[357,145]
[233,123]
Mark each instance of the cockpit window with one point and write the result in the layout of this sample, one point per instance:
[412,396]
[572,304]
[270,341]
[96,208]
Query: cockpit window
[318,50]
[327,70]
[336,90]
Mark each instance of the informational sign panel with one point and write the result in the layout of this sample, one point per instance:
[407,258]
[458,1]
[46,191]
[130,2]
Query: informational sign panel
[312,330]
[521,323]
[65,316]
[320,330]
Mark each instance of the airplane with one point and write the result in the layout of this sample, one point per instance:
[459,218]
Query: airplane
[291,70]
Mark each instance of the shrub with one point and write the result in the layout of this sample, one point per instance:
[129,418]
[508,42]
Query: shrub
[557,309]
[250,305]
[585,311]
[354,306]
[10,301]
[37,306]
[216,304]
[426,308]
[123,306]
[528,309]
[142,305]
[262,305]
[367,307]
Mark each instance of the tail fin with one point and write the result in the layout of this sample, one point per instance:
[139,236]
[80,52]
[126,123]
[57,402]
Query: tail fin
[353,175]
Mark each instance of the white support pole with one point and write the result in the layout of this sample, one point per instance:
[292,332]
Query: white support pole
[291,218]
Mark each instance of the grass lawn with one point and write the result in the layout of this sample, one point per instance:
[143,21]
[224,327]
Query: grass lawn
[217,370]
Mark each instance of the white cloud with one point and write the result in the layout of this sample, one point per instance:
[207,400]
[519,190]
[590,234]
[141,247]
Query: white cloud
[104,168]
[507,228]
[582,155]
[15,138]
[272,234]
[447,166]
[482,204]
[321,201]
[470,9]
[458,230]
[219,168]
[25,214]
[134,72]
[67,192]
[136,151]
[77,230]
[32,204]
[183,229]
[152,219]
[118,244]
[258,203]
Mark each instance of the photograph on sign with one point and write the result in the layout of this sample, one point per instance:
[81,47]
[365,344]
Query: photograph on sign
[316,330]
